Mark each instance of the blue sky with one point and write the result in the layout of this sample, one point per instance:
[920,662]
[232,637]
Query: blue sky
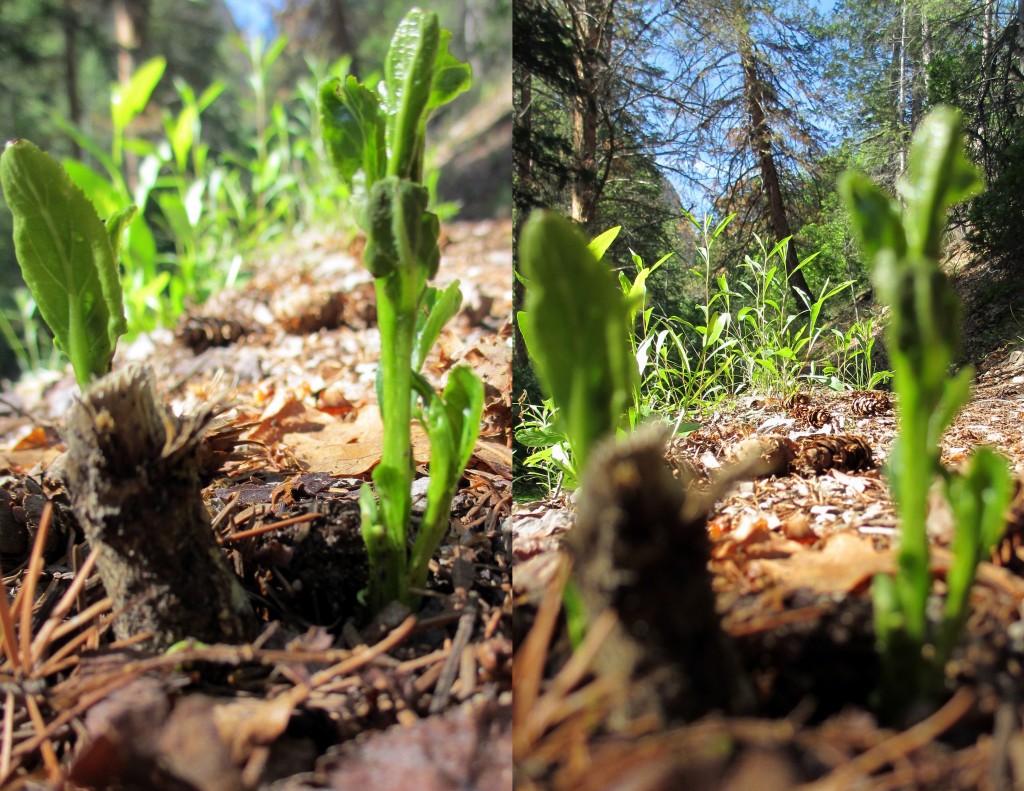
[255,16]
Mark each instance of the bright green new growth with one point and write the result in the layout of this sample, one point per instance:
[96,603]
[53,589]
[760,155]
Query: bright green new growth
[577,325]
[377,144]
[923,333]
[68,257]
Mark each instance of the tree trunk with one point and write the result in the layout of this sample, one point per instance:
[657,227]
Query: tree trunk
[133,478]
[522,165]
[761,142]
[70,54]
[341,37]
[592,32]
[130,18]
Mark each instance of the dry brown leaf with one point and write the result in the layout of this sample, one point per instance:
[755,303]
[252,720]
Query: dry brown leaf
[847,561]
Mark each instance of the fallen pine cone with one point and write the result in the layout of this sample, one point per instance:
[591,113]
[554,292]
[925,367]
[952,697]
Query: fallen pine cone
[199,333]
[818,417]
[872,402]
[844,452]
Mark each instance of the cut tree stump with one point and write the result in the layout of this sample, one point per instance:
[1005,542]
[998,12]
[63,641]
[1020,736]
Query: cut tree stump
[133,479]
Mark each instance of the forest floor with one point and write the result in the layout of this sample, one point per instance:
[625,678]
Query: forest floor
[792,554]
[324,697]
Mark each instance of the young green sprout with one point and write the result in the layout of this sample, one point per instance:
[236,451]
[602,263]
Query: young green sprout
[578,325]
[67,256]
[904,244]
[376,144]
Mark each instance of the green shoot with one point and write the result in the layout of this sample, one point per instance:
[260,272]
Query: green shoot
[377,145]
[905,244]
[68,257]
[577,329]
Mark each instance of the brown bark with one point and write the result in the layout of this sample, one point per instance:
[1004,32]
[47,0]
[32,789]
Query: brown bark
[70,54]
[132,475]
[754,91]
[639,542]
[341,37]
[592,32]
[130,18]
[522,163]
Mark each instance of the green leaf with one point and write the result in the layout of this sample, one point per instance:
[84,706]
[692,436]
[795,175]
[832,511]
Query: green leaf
[65,256]
[451,76]
[400,231]
[128,101]
[979,498]
[938,175]
[117,224]
[408,76]
[436,310]
[576,320]
[875,216]
[599,244]
[452,421]
[352,127]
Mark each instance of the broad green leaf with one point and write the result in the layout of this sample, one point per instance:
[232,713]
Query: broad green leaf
[105,197]
[599,244]
[437,307]
[938,175]
[65,256]
[408,74]
[353,130]
[451,76]
[128,101]
[576,320]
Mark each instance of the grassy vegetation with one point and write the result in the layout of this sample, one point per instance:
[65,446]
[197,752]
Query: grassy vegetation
[745,336]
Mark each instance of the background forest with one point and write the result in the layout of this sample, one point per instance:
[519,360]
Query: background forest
[628,113]
[204,114]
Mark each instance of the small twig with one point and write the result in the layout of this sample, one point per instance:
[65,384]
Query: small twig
[67,601]
[899,746]
[398,634]
[26,595]
[8,737]
[463,633]
[528,667]
[45,747]
[225,511]
[256,531]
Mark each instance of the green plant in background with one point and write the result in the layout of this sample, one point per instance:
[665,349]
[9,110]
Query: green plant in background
[110,190]
[67,256]
[576,325]
[905,245]
[377,146]
[776,343]
[851,365]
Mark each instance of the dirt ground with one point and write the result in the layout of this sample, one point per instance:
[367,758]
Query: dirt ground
[792,553]
[325,697]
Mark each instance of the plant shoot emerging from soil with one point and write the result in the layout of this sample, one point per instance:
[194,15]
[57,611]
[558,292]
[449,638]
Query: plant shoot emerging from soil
[905,243]
[376,143]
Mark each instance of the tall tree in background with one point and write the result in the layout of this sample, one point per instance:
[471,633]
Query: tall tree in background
[743,85]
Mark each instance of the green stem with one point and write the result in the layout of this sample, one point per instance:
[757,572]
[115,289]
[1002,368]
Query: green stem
[394,479]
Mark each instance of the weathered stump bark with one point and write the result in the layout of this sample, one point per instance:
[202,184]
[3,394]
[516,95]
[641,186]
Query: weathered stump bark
[639,550]
[133,480]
